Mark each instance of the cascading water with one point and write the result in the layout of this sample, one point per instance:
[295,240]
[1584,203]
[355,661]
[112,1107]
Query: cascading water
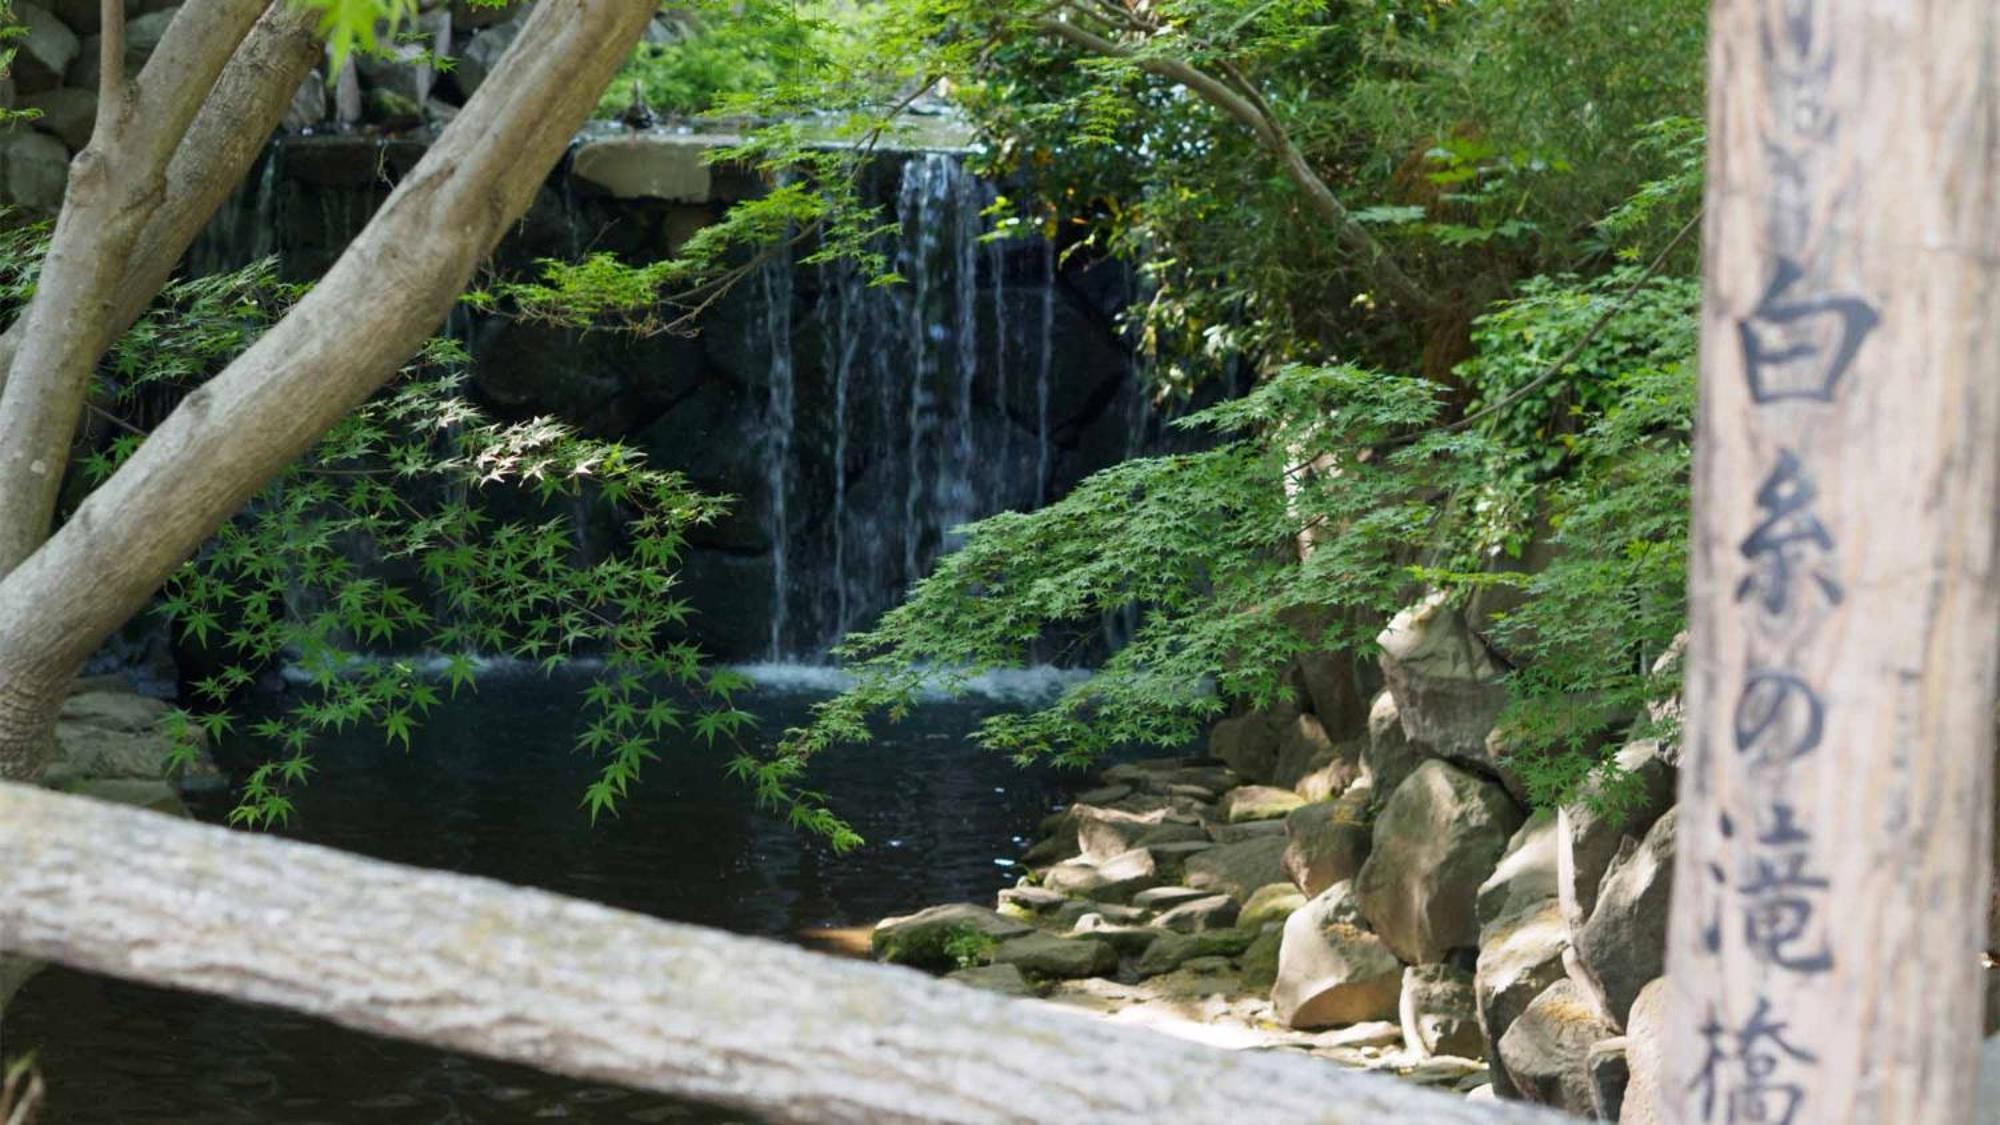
[858,423]
[944,443]
[775,285]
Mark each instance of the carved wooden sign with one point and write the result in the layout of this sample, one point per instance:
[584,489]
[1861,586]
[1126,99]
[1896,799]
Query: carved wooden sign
[1830,888]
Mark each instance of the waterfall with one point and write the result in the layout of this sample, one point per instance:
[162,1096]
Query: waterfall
[1042,365]
[775,285]
[856,421]
[911,433]
[919,242]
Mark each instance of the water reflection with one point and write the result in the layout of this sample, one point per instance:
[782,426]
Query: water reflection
[491,788]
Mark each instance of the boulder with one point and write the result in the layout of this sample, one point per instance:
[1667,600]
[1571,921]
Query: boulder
[44,51]
[1303,745]
[1390,756]
[1237,870]
[1591,830]
[67,113]
[646,166]
[1438,838]
[1609,1074]
[1115,879]
[1003,979]
[403,68]
[1057,839]
[142,34]
[1446,684]
[1164,898]
[1338,687]
[1439,1012]
[1331,969]
[1246,830]
[307,109]
[1046,955]
[1624,945]
[1128,940]
[1525,877]
[1645,1046]
[1170,860]
[34,169]
[1103,832]
[1546,1051]
[1214,912]
[475,60]
[1027,903]
[1103,795]
[84,17]
[110,734]
[1272,903]
[1256,802]
[1247,744]
[1260,960]
[923,939]
[1168,952]
[1326,842]
[1334,772]
[1520,955]
[141,793]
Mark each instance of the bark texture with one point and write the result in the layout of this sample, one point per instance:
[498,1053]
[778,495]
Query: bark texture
[1831,882]
[115,187]
[232,128]
[585,990]
[371,311]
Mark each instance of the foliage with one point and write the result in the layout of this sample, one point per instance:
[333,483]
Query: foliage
[1203,543]
[714,56]
[367,26]
[418,524]
[969,946]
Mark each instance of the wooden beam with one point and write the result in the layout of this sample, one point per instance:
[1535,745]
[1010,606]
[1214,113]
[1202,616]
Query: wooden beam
[581,989]
[1830,892]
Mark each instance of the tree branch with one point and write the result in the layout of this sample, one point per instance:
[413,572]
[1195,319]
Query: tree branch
[111,64]
[368,314]
[116,185]
[1351,236]
[232,128]
[585,990]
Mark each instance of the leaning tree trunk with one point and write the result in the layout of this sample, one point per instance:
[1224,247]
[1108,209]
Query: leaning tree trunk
[372,310]
[585,990]
[1830,892]
[115,187]
[232,128]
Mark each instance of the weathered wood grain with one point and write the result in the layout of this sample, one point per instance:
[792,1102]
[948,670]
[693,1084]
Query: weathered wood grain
[585,990]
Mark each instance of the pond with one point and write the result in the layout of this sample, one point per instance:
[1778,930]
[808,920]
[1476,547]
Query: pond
[491,787]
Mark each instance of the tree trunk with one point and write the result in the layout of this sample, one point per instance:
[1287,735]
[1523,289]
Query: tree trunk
[580,989]
[234,125]
[372,310]
[1830,891]
[115,187]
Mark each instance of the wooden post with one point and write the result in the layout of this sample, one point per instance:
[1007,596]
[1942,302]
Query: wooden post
[1830,891]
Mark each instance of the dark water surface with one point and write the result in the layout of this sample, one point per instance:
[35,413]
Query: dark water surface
[491,787]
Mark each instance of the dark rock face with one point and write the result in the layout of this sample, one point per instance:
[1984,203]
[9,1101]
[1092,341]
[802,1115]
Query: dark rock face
[854,425]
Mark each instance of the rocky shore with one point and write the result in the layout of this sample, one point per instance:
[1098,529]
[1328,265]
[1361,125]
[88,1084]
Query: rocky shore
[1353,875]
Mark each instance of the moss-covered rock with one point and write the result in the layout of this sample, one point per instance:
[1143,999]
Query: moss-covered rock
[940,937]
